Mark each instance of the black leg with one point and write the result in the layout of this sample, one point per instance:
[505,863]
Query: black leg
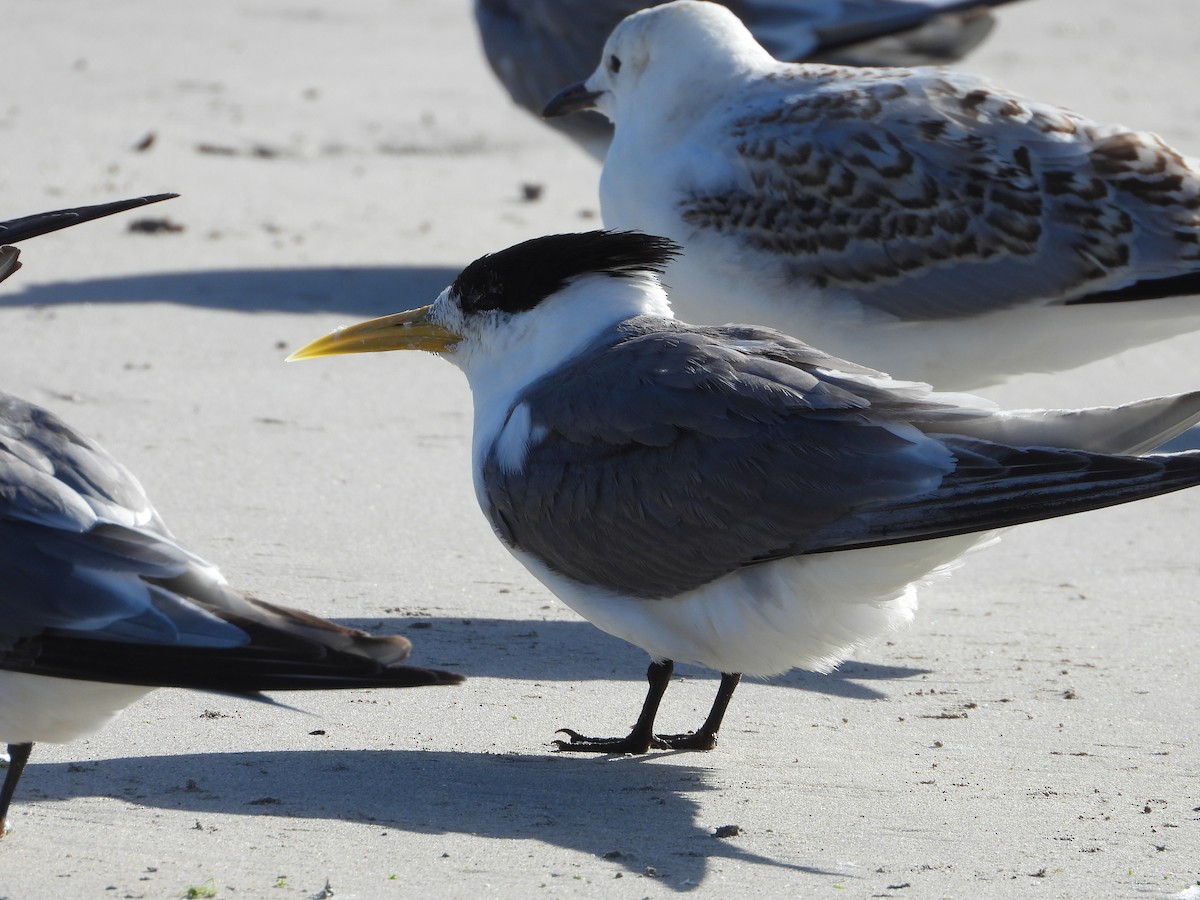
[706,737]
[642,737]
[18,755]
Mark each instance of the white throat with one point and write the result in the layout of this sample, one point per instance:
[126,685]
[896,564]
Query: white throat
[513,351]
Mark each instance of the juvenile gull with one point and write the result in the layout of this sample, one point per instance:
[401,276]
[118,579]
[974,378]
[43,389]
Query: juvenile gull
[537,46]
[920,221]
[99,603]
[730,496]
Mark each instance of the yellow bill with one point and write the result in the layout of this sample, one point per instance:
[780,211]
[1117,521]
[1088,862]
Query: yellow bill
[410,330]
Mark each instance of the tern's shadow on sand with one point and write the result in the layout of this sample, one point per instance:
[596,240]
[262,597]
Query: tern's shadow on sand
[548,651]
[366,291]
[642,811]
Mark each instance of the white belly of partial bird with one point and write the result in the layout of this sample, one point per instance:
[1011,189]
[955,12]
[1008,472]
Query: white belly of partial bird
[40,709]
[807,612]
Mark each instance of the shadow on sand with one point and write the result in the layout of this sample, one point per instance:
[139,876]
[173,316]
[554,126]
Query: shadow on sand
[611,808]
[364,291]
[548,651]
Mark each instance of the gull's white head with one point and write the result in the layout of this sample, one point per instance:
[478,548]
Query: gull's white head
[662,56]
[521,311]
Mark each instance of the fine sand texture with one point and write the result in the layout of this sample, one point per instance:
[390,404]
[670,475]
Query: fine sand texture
[1032,734]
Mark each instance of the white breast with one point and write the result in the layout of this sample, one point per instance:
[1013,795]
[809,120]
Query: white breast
[806,612]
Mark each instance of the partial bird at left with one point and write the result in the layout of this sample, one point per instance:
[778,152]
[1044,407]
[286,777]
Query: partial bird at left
[100,604]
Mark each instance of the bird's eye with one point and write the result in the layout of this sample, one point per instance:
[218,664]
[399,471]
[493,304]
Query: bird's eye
[614,64]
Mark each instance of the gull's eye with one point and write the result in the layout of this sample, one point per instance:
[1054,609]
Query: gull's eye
[614,64]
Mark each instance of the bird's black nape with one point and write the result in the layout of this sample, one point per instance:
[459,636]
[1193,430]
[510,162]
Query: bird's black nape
[519,278]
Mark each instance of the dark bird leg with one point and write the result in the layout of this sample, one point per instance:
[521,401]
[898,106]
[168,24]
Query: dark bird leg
[706,737]
[642,738]
[18,755]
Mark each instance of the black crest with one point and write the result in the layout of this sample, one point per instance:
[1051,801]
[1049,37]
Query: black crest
[521,277]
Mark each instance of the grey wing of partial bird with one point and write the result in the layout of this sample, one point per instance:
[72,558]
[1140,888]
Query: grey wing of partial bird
[81,540]
[96,587]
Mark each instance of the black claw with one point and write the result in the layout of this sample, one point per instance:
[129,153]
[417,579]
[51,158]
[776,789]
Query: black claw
[634,744]
[580,743]
[690,741]
[642,739]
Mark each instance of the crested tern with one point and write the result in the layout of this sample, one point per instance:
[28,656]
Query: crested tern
[730,496]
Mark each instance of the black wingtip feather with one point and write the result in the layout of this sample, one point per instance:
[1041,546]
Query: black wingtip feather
[1000,487]
[238,670]
[522,276]
[1185,285]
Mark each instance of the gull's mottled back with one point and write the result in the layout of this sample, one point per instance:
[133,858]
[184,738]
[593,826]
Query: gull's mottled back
[923,221]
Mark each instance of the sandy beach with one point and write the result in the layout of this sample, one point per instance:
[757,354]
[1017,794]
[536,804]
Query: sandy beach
[1033,733]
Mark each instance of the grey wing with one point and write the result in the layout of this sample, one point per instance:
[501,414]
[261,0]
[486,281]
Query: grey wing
[93,586]
[670,460]
[81,541]
[539,47]
[930,194]
[868,32]
[51,474]
[997,486]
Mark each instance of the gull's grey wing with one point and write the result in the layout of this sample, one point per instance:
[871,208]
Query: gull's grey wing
[893,32]
[93,586]
[931,194]
[670,459]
